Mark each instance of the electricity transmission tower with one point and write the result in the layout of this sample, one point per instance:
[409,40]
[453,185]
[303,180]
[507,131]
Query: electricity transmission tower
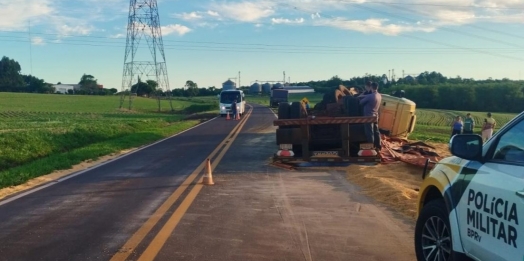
[140,63]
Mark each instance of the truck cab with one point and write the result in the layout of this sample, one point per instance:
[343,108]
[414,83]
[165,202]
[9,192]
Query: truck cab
[227,97]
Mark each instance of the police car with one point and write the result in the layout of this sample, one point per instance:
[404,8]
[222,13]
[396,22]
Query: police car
[471,205]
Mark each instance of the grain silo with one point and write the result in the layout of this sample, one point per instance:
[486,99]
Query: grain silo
[255,88]
[266,87]
[278,86]
[229,85]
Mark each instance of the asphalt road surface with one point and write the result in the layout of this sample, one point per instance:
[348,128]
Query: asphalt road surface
[151,205]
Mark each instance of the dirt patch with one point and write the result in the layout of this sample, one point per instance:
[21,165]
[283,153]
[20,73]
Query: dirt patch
[5,192]
[394,184]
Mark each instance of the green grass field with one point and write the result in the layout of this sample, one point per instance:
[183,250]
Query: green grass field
[432,125]
[42,133]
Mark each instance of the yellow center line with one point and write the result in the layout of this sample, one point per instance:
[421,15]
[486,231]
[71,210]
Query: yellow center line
[160,239]
[141,233]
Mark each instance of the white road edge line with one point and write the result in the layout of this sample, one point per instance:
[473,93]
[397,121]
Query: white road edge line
[74,174]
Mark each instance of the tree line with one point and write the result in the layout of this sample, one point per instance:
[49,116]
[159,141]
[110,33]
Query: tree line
[435,91]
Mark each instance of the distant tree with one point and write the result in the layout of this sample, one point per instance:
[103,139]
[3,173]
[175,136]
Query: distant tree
[141,88]
[192,88]
[10,78]
[89,84]
[35,85]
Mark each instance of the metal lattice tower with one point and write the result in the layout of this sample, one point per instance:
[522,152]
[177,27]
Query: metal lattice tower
[144,23]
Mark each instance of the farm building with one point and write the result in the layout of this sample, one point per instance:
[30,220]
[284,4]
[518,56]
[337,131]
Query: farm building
[64,88]
[299,89]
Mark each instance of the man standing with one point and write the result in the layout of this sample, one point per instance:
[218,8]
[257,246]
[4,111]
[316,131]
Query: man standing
[234,109]
[487,127]
[367,89]
[469,124]
[371,103]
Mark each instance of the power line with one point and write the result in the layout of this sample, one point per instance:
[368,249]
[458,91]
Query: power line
[469,25]
[422,39]
[429,4]
[199,44]
[362,50]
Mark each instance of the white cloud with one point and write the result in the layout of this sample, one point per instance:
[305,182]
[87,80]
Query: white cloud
[189,16]
[68,30]
[175,29]
[315,15]
[212,13]
[16,15]
[37,40]
[246,11]
[116,36]
[287,21]
[372,26]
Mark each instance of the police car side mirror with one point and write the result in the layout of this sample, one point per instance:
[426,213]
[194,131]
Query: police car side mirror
[466,146]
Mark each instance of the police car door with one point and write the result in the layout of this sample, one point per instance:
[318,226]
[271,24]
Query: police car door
[491,210]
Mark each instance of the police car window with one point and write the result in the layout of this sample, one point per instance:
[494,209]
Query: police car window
[511,145]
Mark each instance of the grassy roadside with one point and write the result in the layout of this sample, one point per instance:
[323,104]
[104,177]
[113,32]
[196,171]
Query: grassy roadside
[65,160]
[40,134]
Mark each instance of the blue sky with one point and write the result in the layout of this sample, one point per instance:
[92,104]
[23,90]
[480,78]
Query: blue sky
[211,41]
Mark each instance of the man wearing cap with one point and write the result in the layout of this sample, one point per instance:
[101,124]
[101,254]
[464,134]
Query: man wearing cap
[469,124]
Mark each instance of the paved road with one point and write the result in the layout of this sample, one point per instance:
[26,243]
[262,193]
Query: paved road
[150,206]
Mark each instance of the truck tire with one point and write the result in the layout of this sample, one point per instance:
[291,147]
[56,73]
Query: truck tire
[352,108]
[295,110]
[283,111]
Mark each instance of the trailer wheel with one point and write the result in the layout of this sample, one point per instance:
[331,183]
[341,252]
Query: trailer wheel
[352,106]
[283,111]
[295,111]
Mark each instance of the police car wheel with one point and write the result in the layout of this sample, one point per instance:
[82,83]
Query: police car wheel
[433,234]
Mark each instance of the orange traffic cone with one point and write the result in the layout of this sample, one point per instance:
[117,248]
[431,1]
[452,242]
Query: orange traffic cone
[238,116]
[208,178]
[228,118]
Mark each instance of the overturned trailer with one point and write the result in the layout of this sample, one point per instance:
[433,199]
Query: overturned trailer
[334,130]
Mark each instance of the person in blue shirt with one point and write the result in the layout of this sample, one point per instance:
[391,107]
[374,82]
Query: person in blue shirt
[456,126]
[371,104]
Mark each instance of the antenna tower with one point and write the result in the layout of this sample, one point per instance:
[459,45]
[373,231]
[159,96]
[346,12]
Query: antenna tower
[144,24]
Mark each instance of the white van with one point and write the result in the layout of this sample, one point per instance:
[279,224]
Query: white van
[227,97]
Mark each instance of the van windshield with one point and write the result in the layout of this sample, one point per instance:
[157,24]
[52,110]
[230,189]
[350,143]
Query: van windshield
[229,97]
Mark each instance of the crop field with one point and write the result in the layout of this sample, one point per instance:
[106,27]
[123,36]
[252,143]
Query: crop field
[42,133]
[435,125]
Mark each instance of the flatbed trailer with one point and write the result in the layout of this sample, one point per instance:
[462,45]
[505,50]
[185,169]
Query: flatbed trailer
[304,139]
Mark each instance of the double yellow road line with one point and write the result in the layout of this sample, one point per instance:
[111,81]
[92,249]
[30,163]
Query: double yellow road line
[158,242]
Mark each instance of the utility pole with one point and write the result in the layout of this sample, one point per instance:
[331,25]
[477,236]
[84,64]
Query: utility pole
[239,79]
[144,23]
[284,77]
